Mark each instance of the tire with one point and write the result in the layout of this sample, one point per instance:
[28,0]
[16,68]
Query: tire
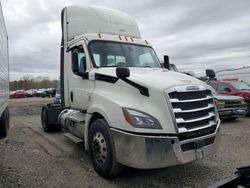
[248,110]
[4,123]
[102,151]
[44,119]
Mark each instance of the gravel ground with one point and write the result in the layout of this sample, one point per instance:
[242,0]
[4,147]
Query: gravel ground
[31,158]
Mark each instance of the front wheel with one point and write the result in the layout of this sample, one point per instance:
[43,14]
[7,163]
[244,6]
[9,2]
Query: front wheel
[102,150]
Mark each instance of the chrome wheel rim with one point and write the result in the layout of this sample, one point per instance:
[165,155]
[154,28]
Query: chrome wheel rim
[99,148]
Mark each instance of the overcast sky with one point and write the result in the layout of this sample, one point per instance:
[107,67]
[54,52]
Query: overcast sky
[195,34]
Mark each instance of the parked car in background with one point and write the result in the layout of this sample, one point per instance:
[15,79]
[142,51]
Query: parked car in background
[233,87]
[31,92]
[229,107]
[39,92]
[50,92]
[19,94]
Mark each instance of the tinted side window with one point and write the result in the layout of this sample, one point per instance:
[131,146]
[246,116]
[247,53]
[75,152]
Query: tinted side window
[81,56]
[77,66]
[222,87]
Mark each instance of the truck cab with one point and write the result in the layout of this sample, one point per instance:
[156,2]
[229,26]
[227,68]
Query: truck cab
[116,98]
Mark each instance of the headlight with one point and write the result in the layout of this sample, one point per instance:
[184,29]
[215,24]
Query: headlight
[243,102]
[140,119]
[219,104]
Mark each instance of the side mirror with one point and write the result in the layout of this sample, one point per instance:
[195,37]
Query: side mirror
[227,89]
[166,62]
[75,67]
[210,73]
[122,72]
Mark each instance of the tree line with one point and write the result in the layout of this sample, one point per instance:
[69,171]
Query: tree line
[29,82]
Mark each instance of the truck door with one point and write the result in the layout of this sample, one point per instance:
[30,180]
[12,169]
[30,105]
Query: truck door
[78,85]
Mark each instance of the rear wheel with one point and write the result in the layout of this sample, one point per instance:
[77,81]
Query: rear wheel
[4,123]
[44,119]
[102,151]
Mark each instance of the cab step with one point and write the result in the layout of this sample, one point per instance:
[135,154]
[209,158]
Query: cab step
[73,138]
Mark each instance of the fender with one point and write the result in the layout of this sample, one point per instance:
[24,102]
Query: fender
[89,116]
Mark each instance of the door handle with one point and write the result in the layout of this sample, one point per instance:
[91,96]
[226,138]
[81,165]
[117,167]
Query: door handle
[71,96]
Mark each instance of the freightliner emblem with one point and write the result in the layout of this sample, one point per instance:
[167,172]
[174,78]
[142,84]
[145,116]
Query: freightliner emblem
[192,88]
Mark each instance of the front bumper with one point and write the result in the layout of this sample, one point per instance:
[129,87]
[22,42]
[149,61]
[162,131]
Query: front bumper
[232,112]
[148,152]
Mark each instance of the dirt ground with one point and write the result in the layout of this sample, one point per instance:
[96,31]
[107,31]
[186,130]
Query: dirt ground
[31,158]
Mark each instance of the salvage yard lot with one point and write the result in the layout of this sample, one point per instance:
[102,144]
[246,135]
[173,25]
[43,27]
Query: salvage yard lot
[31,158]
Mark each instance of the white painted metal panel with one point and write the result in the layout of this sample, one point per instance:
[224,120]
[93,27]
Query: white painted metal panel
[4,64]
[82,20]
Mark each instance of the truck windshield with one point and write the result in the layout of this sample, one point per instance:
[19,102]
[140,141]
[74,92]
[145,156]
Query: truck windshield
[240,85]
[113,54]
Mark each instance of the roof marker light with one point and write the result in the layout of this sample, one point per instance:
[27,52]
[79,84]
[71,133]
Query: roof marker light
[132,39]
[99,35]
[125,38]
[146,41]
[120,37]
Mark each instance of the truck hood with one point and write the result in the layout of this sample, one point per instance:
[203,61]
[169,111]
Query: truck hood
[157,78]
[228,97]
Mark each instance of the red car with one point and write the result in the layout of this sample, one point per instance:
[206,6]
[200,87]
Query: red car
[233,87]
[18,94]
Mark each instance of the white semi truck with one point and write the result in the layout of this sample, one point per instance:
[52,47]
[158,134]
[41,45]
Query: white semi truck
[4,78]
[119,101]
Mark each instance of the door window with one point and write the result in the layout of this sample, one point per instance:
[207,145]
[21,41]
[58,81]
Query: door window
[222,86]
[80,67]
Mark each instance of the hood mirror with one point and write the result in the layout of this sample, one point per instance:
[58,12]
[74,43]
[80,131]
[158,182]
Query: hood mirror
[210,73]
[166,62]
[122,72]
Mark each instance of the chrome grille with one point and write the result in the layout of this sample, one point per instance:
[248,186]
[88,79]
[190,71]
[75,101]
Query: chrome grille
[233,104]
[193,109]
